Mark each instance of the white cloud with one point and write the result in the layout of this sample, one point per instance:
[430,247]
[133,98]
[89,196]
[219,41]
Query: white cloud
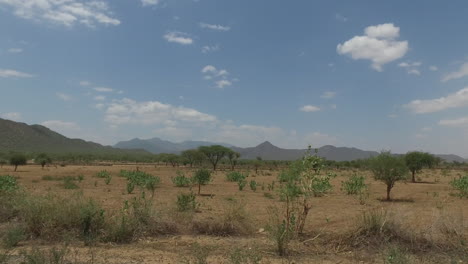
[150,2]
[60,126]
[63,96]
[178,37]
[99,106]
[219,76]
[392,116]
[85,83]
[426,129]
[208,49]
[99,98]
[127,111]
[6,73]
[433,68]
[223,83]
[411,67]
[63,12]
[310,108]
[341,18]
[328,95]
[103,89]
[459,122]
[15,50]
[378,45]
[15,116]
[462,72]
[214,27]
[454,100]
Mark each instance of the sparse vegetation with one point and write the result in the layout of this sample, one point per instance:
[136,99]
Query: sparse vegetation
[181,180]
[354,185]
[186,202]
[461,186]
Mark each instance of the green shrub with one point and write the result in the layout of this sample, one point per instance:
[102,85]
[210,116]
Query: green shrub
[181,180]
[108,179]
[52,178]
[69,183]
[461,185]
[201,177]
[141,179]
[244,256]
[130,187]
[281,230]
[186,202]
[253,185]
[8,183]
[13,236]
[235,176]
[102,174]
[396,255]
[241,183]
[354,185]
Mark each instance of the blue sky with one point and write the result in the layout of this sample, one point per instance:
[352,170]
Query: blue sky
[368,74]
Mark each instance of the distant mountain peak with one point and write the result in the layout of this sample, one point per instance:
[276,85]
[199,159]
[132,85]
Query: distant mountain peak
[266,144]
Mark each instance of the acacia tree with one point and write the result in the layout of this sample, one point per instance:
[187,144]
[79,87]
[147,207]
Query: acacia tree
[389,169]
[214,153]
[17,160]
[416,161]
[201,177]
[192,156]
[233,157]
[42,159]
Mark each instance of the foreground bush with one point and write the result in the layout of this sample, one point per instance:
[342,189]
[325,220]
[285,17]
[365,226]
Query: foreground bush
[461,185]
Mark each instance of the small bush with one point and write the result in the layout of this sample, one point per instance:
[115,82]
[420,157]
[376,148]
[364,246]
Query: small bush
[281,231]
[130,187]
[243,256]
[253,185]
[395,255]
[461,185]
[108,179]
[13,236]
[8,184]
[354,185]
[186,202]
[201,177]
[235,176]
[241,183]
[321,186]
[102,174]
[52,178]
[52,256]
[69,183]
[181,180]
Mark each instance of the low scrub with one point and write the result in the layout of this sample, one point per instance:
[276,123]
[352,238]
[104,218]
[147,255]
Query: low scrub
[354,185]
[461,186]
[181,180]
[235,176]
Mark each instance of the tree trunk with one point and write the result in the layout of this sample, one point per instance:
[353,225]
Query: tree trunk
[214,166]
[389,188]
[16,167]
[414,178]
[199,189]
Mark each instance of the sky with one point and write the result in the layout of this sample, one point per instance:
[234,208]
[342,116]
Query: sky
[376,75]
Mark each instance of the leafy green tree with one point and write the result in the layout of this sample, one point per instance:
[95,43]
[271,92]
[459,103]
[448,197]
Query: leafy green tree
[173,159]
[17,160]
[42,159]
[233,158]
[201,177]
[389,169]
[192,156]
[416,161]
[214,153]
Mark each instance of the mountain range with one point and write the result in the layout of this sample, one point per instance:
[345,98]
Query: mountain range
[21,137]
[16,136]
[265,150]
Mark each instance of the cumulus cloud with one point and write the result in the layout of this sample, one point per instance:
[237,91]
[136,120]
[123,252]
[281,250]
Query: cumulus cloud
[15,116]
[219,76]
[328,95]
[6,73]
[459,122]
[214,27]
[15,50]
[433,68]
[454,100]
[208,49]
[310,108]
[178,37]
[150,2]
[411,67]
[379,44]
[63,96]
[63,12]
[103,89]
[127,111]
[460,73]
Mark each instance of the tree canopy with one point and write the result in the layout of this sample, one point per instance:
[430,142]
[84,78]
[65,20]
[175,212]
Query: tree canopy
[416,161]
[214,153]
[389,169]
